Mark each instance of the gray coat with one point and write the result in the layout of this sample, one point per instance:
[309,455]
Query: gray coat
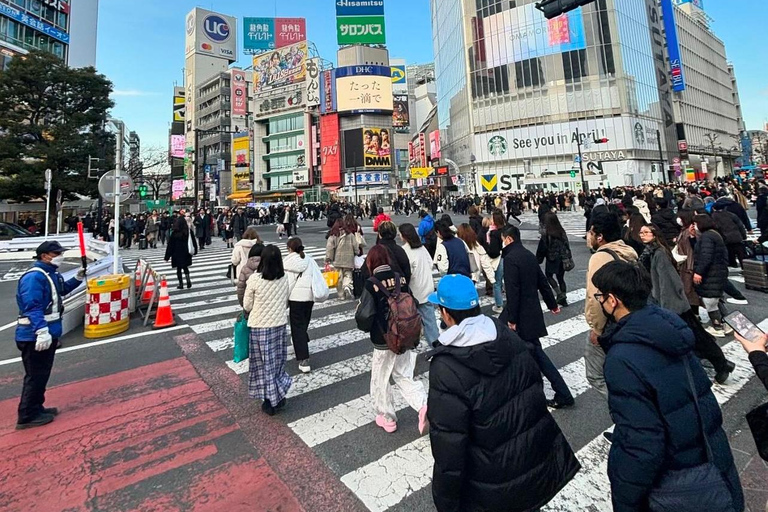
[668,291]
[242,278]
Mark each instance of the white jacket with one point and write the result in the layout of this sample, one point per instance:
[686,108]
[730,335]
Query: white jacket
[484,262]
[299,272]
[240,254]
[642,206]
[421,284]
[267,301]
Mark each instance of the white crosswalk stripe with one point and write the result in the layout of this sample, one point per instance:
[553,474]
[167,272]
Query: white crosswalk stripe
[341,359]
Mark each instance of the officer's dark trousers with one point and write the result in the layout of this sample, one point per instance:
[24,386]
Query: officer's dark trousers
[37,371]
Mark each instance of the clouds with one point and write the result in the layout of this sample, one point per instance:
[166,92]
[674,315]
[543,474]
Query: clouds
[127,93]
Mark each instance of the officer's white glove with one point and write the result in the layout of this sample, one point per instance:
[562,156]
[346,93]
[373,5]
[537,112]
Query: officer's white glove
[44,339]
[80,274]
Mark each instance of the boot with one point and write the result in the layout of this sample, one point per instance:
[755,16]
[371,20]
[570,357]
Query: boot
[181,285]
[189,282]
[724,373]
[562,300]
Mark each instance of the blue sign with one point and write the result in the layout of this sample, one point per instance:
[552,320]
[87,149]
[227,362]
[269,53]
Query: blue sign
[359,7]
[259,33]
[363,71]
[36,24]
[216,28]
[368,178]
[673,46]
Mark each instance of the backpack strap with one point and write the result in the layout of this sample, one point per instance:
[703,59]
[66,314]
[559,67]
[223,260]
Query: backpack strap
[375,280]
[612,253]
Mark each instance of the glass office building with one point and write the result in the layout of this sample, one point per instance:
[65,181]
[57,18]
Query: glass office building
[33,25]
[517,92]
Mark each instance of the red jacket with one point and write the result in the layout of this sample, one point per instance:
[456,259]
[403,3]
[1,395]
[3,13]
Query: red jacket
[382,217]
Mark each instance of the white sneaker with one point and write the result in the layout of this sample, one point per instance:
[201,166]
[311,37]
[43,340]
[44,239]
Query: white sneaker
[731,300]
[717,332]
[304,366]
[727,329]
[497,309]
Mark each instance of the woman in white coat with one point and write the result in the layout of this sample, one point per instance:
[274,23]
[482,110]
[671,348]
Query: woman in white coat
[299,269]
[422,283]
[483,262]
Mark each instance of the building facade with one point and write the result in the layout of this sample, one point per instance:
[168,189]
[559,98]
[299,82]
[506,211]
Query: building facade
[521,97]
[27,25]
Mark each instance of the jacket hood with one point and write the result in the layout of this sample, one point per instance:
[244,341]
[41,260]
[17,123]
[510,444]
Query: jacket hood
[653,326]
[488,357]
[246,243]
[472,331]
[294,263]
[723,202]
[626,252]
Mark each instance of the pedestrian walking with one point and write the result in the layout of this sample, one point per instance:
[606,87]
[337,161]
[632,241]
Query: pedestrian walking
[200,228]
[669,450]
[491,240]
[421,284]
[385,363]
[344,243]
[554,251]
[299,270]
[496,446]
[266,300]
[397,257]
[710,267]
[182,246]
[153,227]
[40,299]
[251,266]
[482,263]
[242,248]
[452,254]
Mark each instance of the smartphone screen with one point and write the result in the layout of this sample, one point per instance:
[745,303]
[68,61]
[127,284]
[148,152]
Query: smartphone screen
[743,326]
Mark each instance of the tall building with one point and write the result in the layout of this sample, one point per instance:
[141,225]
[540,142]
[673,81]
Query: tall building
[34,25]
[122,141]
[83,29]
[519,96]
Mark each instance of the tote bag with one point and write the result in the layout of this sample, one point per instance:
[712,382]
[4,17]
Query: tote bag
[320,290]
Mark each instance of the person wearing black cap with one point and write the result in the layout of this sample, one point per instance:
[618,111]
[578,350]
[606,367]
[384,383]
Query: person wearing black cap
[40,300]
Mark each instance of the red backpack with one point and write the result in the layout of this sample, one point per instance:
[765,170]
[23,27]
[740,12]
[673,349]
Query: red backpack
[403,320]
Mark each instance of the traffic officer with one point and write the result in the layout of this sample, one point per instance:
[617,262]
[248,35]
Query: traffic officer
[40,300]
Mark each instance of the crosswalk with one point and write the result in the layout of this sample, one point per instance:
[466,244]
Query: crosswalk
[330,408]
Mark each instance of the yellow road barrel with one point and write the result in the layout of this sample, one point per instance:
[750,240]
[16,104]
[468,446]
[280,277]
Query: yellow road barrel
[106,305]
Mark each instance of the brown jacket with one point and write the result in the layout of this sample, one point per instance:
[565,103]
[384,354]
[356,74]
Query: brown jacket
[592,311]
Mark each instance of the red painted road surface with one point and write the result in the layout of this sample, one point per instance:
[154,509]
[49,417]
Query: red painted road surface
[154,438]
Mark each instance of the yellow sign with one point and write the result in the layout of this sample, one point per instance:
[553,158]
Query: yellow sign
[241,162]
[489,182]
[420,172]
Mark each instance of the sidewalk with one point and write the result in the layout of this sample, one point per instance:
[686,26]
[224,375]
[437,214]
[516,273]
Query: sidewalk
[753,470]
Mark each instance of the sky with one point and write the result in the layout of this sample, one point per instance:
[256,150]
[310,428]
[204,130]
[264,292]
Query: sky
[141,48]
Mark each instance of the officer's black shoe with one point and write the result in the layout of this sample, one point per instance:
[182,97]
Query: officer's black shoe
[41,420]
[53,411]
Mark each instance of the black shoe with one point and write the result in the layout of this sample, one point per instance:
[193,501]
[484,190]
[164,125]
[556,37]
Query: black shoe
[42,419]
[722,375]
[608,436]
[280,404]
[53,411]
[189,283]
[180,287]
[267,408]
[554,404]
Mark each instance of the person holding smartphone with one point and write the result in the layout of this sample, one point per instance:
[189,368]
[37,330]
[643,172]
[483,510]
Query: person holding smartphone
[755,347]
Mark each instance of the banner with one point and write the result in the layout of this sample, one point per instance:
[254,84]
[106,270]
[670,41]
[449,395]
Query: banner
[239,93]
[328,91]
[330,156]
[178,144]
[359,7]
[490,182]
[399,78]
[360,30]
[177,189]
[420,172]
[210,33]
[271,105]
[400,116]
[673,46]
[422,150]
[377,148]
[179,105]
[241,164]
[284,66]
[313,82]
[434,145]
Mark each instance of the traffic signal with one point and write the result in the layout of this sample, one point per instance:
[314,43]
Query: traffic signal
[142,191]
[601,141]
[554,8]
[573,173]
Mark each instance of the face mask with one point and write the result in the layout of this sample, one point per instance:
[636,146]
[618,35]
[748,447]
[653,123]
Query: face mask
[608,315]
[56,261]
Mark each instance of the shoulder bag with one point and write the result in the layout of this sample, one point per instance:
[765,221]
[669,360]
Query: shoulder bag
[320,290]
[758,423]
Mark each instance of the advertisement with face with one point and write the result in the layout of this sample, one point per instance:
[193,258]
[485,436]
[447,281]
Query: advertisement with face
[284,66]
[377,148]
[523,33]
[400,115]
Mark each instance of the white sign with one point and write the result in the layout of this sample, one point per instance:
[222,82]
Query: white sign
[210,33]
[300,177]
[368,178]
[313,82]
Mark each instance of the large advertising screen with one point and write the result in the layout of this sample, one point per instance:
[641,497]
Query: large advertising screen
[364,89]
[523,33]
[241,165]
[270,33]
[400,116]
[284,66]
[330,154]
[377,148]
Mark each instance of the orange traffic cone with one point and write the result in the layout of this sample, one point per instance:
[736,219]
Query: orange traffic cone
[164,316]
[139,274]
[149,290]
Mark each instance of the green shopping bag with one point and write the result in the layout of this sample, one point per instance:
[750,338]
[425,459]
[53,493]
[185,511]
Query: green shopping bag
[242,335]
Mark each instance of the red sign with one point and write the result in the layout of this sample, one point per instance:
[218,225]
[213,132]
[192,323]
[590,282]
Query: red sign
[411,152]
[289,31]
[299,193]
[422,150]
[442,170]
[239,93]
[434,144]
[59,5]
[330,151]
[682,146]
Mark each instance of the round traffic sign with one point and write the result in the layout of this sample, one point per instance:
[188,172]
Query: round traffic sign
[107,186]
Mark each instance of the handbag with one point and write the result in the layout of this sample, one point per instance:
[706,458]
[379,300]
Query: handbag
[757,419]
[241,336]
[331,276]
[474,268]
[696,488]
[320,289]
[365,314]
[190,245]
[679,258]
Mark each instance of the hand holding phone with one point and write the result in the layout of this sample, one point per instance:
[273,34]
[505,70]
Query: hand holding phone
[749,335]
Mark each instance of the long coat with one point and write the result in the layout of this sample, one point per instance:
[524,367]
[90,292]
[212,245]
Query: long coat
[710,261]
[177,250]
[522,277]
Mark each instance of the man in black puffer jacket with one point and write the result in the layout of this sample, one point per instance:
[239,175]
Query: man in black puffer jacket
[496,446]
[710,267]
[726,203]
[666,220]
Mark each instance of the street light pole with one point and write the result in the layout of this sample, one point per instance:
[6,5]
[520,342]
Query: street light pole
[581,162]
[196,168]
[661,158]
[48,177]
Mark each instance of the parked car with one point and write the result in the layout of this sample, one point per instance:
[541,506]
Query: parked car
[9,230]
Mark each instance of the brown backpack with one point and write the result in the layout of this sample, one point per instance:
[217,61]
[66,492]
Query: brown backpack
[403,319]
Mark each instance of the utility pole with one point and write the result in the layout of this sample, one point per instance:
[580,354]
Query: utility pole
[196,169]
[661,158]
[581,162]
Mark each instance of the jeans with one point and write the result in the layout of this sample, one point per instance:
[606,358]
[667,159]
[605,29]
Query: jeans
[549,370]
[427,312]
[594,359]
[300,315]
[386,364]
[498,299]
[37,371]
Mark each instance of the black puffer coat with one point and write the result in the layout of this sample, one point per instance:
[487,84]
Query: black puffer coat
[476,223]
[729,226]
[496,446]
[710,261]
[666,221]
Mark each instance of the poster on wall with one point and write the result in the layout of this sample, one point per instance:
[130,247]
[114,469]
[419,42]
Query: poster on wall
[284,66]
[178,144]
[377,148]
[434,145]
[328,91]
[261,34]
[523,33]
[179,105]
[400,116]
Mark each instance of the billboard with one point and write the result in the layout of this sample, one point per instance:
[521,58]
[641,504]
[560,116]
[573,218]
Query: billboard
[179,105]
[377,148]
[239,93]
[241,164]
[280,101]
[523,33]
[284,66]
[313,82]
[359,7]
[328,91]
[673,46]
[360,30]
[434,144]
[400,116]
[330,155]
[261,34]
[177,189]
[364,89]
[210,33]
[178,144]
[399,78]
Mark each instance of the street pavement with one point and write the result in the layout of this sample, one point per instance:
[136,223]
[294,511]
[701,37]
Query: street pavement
[323,451]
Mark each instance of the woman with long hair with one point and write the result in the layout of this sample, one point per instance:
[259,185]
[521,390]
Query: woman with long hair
[385,363]
[491,240]
[266,300]
[476,251]
[299,269]
[631,232]
[251,266]
[180,249]
[229,231]
[554,249]
[667,291]
[421,283]
[344,243]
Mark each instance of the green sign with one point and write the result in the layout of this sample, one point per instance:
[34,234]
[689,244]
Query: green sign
[497,145]
[360,30]
[157,205]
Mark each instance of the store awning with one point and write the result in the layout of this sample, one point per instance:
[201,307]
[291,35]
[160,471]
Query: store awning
[241,196]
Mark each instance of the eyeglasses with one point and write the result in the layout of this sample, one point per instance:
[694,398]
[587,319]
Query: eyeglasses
[599,296]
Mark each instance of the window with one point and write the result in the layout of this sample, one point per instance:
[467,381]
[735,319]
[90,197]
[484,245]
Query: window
[49,14]
[62,21]
[529,73]
[575,65]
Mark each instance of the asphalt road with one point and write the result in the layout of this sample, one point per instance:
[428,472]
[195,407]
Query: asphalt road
[328,420]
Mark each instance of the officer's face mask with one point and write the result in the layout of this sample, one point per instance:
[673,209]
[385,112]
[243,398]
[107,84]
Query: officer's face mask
[56,261]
